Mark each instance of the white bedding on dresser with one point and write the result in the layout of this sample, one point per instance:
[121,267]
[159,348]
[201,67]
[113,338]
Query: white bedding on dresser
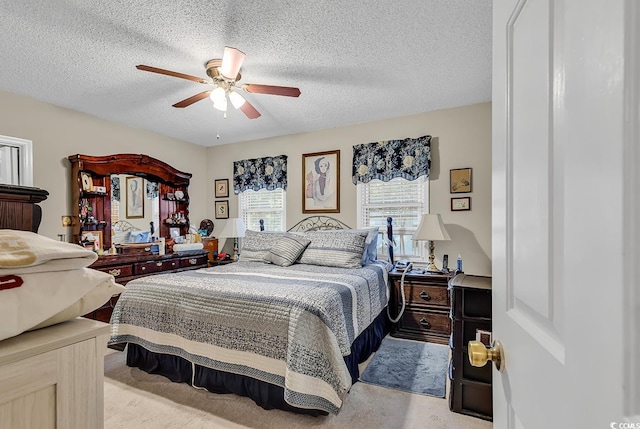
[44,281]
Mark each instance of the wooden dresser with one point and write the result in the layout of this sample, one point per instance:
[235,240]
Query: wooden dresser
[470,386]
[53,377]
[128,267]
[426,314]
[19,209]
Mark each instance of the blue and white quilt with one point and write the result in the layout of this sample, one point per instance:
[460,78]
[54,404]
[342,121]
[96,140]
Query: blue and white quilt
[288,326]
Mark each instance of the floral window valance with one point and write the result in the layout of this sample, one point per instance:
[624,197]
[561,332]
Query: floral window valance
[115,188]
[260,173]
[408,158]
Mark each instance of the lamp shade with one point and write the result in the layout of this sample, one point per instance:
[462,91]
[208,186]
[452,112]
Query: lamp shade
[431,228]
[234,228]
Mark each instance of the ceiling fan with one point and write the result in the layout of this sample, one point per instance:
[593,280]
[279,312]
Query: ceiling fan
[225,74]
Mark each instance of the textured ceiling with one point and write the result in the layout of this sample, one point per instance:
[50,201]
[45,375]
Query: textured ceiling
[354,60]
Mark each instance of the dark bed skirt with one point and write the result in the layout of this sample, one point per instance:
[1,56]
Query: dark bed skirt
[266,395]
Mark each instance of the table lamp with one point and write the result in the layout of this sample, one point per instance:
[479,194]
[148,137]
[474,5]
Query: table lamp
[431,229]
[234,228]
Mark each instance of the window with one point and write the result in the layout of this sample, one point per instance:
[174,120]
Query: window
[16,161]
[404,201]
[263,204]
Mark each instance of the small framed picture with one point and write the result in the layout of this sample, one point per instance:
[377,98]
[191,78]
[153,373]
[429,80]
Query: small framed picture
[461,203]
[222,188]
[87,181]
[222,209]
[460,180]
[92,239]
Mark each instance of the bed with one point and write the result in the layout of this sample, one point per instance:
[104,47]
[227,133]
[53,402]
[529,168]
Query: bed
[287,335]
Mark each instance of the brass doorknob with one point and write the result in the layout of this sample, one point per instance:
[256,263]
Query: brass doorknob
[479,354]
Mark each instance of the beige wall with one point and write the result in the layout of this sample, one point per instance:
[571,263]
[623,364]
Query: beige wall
[462,138]
[57,133]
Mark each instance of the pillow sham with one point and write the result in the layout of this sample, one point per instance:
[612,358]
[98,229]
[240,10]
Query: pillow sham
[139,236]
[338,248]
[120,237]
[42,298]
[370,253]
[287,249]
[28,252]
[256,245]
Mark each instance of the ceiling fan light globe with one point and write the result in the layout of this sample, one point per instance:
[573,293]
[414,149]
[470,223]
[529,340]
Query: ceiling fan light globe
[236,99]
[218,95]
[221,105]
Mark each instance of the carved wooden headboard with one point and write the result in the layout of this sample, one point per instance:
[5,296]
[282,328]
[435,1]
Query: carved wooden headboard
[19,208]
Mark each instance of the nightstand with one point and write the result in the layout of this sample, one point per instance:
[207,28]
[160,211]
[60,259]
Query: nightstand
[427,308]
[470,391]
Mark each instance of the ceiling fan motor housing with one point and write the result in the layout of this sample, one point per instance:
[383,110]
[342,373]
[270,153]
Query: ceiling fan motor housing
[213,71]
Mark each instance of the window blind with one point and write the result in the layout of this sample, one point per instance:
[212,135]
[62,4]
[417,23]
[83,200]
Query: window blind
[263,204]
[400,199]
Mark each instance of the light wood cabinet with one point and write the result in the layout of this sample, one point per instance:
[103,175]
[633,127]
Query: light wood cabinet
[54,377]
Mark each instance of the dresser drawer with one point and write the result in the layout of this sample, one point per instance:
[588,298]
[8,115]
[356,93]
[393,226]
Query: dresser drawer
[425,323]
[118,270]
[419,294]
[155,266]
[193,261]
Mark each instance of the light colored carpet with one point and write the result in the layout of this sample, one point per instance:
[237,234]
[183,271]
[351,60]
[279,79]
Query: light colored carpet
[137,400]
[411,366]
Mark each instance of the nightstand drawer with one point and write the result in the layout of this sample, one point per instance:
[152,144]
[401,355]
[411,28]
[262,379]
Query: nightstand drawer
[425,322]
[417,294]
[155,266]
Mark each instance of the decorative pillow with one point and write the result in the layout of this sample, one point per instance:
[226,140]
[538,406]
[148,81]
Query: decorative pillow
[256,244]
[370,253]
[140,236]
[287,249]
[120,237]
[339,248]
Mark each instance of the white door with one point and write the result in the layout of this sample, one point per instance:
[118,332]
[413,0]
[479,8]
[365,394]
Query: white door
[565,204]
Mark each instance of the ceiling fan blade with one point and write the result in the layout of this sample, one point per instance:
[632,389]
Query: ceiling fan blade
[248,109]
[189,101]
[171,73]
[287,91]
[231,62]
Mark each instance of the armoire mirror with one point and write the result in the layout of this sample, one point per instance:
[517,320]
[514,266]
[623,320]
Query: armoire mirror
[109,192]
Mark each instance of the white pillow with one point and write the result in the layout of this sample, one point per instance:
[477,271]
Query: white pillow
[120,237]
[35,298]
[93,300]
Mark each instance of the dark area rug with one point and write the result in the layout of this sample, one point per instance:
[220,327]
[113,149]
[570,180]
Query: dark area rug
[410,366]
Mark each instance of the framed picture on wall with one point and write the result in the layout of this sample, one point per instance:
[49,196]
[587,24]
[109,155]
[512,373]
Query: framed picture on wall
[222,209]
[460,180]
[222,188]
[135,197]
[458,204]
[321,182]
